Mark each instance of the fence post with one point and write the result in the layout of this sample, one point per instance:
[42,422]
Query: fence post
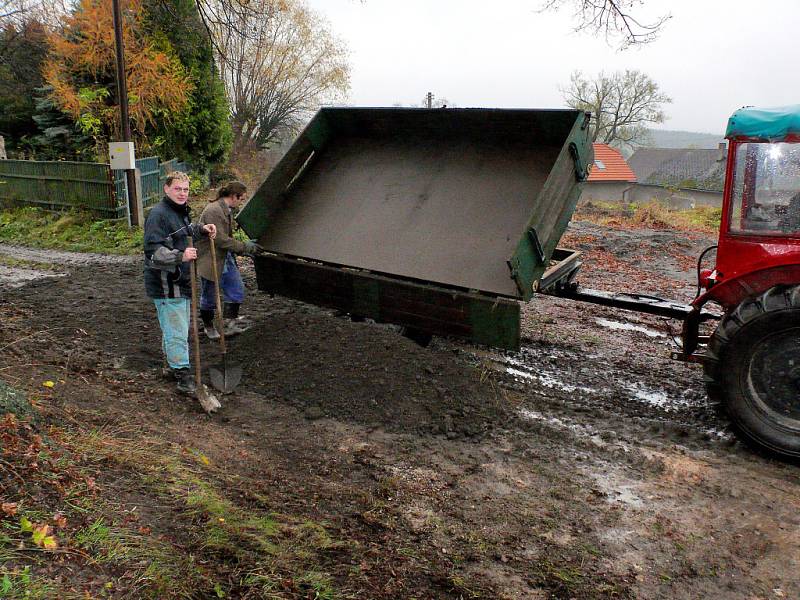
[139,199]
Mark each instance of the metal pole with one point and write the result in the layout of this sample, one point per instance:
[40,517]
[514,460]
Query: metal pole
[122,95]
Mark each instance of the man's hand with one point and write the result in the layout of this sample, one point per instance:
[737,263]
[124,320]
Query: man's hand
[211,230]
[190,253]
[250,247]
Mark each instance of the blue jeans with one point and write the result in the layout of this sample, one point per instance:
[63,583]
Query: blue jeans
[173,317]
[230,283]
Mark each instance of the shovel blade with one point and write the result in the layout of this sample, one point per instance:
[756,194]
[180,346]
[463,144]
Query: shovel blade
[225,378]
[207,400]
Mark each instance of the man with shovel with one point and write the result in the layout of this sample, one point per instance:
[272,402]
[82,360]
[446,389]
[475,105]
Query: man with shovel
[220,214]
[168,253]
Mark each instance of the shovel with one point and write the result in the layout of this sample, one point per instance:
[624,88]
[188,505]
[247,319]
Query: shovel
[207,400]
[224,377]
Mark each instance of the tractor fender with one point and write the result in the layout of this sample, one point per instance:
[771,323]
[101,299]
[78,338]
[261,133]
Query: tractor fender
[731,292]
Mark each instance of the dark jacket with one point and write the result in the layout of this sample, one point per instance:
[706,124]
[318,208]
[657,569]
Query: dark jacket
[166,231]
[217,213]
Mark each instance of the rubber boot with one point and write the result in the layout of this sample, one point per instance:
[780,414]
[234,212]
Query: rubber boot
[185,381]
[233,322]
[208,324]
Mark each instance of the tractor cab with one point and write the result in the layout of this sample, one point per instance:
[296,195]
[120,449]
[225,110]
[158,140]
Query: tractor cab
[752,358]
[760,226]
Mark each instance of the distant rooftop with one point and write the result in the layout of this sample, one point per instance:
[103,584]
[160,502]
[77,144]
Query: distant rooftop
[609,165]
[680,167]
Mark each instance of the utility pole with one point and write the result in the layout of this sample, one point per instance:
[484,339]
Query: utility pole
[122,95]
[429,99]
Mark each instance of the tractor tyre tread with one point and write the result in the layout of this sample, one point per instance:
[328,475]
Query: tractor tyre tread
[736,322]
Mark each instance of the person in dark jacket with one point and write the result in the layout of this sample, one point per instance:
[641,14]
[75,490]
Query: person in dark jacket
[220,213]
[167,278]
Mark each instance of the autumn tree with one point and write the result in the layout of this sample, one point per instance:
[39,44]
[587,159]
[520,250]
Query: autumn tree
[622,105]
[619,20]
[279,63]
[81,71]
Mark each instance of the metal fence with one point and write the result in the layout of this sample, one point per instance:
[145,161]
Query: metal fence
[61,185]
[57,185]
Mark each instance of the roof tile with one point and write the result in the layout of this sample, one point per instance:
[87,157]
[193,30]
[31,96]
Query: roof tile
[609,165]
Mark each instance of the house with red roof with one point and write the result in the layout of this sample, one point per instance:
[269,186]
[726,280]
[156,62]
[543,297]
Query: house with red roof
[610,176]
[677,177]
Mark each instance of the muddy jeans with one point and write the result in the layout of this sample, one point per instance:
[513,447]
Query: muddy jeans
[173,317]
[230,283]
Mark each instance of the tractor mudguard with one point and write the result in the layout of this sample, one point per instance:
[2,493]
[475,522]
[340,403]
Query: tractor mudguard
[729,293]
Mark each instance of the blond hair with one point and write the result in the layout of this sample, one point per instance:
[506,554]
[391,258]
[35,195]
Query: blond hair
[176,176]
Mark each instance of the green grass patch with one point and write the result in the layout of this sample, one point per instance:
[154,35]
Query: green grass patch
[20,583]
[74,231]
[650,214]
[257,548]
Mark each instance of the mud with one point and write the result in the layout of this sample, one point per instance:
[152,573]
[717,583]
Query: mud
[587,465]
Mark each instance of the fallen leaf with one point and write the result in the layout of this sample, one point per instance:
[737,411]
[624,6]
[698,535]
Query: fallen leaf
[42,538]
[9,508]
[48,384]
[25,525]
[60,520]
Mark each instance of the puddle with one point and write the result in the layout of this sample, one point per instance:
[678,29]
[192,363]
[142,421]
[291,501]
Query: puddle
[616,325]
[518,373]
[659,398]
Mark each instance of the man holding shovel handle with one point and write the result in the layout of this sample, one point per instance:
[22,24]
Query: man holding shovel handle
[168,252]
[221,263]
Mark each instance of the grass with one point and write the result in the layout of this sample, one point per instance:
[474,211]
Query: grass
[73,231]
[652,214]
[20,583]
[189,529]
[261,548]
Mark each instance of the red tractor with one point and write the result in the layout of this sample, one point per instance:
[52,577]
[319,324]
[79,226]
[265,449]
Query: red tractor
[752,359]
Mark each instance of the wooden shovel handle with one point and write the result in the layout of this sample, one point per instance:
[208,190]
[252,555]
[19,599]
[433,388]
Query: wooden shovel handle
[196,335]
[218,316]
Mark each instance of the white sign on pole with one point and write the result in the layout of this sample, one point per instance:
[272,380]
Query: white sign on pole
[121,155]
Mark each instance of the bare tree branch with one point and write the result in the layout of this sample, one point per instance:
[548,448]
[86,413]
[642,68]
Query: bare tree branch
[615,19]
[622,105]
[279,62]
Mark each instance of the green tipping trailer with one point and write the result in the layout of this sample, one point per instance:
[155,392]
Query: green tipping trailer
[437,220]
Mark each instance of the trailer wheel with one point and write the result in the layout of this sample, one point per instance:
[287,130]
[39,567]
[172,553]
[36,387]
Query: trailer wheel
[754,371]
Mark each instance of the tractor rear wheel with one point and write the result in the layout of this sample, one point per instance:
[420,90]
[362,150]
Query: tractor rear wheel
[754,370]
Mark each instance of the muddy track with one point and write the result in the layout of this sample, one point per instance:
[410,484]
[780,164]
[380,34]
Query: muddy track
[587,465]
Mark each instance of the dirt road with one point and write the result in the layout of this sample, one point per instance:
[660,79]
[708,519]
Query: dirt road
[588,465]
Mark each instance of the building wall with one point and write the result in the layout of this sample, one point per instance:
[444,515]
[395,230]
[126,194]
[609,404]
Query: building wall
[604,191]
[642,193]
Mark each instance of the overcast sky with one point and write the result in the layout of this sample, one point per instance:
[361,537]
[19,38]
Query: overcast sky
[712,57]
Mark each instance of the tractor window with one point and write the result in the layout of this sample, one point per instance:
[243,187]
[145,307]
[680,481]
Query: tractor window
[766,189]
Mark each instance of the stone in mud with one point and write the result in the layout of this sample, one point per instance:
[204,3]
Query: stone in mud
[312,413]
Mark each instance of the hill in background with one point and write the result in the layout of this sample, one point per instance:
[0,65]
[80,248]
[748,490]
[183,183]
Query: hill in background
[666,138]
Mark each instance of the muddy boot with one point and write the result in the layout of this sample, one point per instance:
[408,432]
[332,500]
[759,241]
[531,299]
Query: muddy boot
[208,324]
[185,381]
[234,324]
[234,327]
